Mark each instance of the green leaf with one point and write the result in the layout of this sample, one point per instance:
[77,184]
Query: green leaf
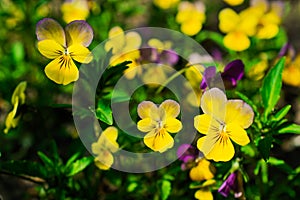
[271,87]
[72,159]
[264,146]
[281,113]
[280,164]
[46,160]
[165,189]
[24,168]
[79,165]
[292,128]
[104,112]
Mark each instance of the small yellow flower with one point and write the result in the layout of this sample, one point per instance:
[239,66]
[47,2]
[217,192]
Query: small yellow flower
[64,45]
[194,76]
[191,16]
[205,192]
[257,71]
[104,147]
[75,10]
[203,171]
[165,4]
[291,72]
[238,28]
[234,2]
[223,120]
[158,122]
[17,99]
[124,48]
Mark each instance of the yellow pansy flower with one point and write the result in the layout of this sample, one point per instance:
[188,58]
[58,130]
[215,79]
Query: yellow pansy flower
[204,193]
[64,45]
[191,16]
[158,122]
[291,72]
[17,99]
[75,10]
[257,71]
[203,171]
[165,4]
[223,120]
[124,48]
[234,2]
[194,76]
[238,28]
[104,147]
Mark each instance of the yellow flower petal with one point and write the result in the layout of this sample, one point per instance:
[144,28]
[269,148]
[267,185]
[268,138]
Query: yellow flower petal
[234,2]
[213,102]
[237,134]
[108,139]
[204,194]
[62,70]
[222,150]
[11,121]
[144,109]
[79,32]
[19,93]
[80,53]
[173,125]
[116,40]
[104,160]
[50,49]
[206,144]
[49,29]
[238,112]
[237,41]
[202,171]
[205,123]
[229,20]
[191,27]
[171,108]
[146,125]
[133,41]
[159,141]
[267,31]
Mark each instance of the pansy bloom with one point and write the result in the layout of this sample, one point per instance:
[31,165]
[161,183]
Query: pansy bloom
[75,10]
[233,72]
[223,121]
[104,147]
[64,45]
[17,99]
[204,193]
[158,122]
[124,47]
[232,183]
[191,16]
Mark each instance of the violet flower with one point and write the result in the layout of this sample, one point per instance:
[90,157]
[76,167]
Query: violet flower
[231,184]
[187,153]
[232,73]
[152,55]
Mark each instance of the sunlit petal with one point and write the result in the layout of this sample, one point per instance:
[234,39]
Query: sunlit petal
[49,29]
[201,171]
[204,194]
[213,102]
[104,160]
[144,109]
[223,150]
[237,134]
[205,123]
[19,93]
[79,32]
[146,125]
[62,70]
[80,53]
[206,144]
[171,108]
[238,112]
[237,41]
[116,40]
[133,41]
[191,27]
[160,141]
[173,125]
[50,49]
[229,19]
[108,139]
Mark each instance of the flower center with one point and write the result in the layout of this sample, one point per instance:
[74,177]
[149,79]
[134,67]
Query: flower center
[223,132]
[66,52]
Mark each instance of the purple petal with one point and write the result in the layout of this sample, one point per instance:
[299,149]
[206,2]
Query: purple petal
[168,57]
[284,49]
[208,75]
[229,184]
[217,55]
[79,32]
[182,149]
[233,72]
[49,29]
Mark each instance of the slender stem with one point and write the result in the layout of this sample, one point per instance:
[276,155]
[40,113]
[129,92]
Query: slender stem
[36,180]
[170,79]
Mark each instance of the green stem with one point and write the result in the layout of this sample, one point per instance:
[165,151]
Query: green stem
[170,79]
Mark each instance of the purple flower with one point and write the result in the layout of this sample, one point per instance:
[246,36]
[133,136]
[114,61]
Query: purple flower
[287,50]
[231,184]
[152,55]
[187,153]
[232,73]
